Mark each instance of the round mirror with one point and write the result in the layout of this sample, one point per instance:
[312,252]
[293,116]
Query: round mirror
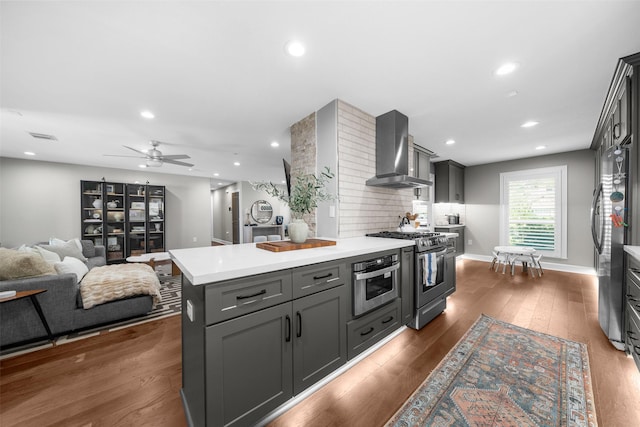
[261,211]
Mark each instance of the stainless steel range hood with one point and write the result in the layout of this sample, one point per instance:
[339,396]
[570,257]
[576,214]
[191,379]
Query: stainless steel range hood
[392,153]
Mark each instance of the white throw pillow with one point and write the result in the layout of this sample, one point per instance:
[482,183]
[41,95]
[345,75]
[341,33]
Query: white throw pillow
[50,257]
[67,249]
[59,242]
[72,265]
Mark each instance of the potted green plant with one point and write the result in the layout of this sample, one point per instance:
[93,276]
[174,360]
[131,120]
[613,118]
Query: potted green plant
[306,191]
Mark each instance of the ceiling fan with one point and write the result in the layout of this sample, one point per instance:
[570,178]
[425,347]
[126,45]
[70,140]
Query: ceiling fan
[155,158]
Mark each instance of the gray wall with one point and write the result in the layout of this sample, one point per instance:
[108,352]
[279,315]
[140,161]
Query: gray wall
[39,200]
[482,200]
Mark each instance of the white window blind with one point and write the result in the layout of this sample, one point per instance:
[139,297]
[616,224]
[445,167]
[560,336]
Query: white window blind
[533,210]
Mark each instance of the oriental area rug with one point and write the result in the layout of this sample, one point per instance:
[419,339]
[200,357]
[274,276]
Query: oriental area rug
[170,290]
[500,374]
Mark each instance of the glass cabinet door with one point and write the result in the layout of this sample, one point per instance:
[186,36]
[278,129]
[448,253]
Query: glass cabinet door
[92,210]
[115,221]
[137,220]
[155,226]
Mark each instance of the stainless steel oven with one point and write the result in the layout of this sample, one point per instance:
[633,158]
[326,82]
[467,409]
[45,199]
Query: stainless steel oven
[375,283]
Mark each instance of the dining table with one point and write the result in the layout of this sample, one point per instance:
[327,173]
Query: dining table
[511,252]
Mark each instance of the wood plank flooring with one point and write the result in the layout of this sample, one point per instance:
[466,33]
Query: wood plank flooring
[132,377]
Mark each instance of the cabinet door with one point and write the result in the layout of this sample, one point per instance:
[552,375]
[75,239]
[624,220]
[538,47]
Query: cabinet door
[156,223]
[136,220]
[456,187]
[620,125]
[248,366]
[115,221]
[319,336]
[450,273]
[407,281]
[91,203]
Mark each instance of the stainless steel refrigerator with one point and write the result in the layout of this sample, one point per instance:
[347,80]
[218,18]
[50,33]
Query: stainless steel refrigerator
[609,216]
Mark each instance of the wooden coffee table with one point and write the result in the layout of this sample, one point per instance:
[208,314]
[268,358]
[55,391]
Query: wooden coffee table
[32,295]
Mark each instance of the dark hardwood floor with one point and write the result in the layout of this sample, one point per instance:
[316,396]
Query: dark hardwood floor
[132,377]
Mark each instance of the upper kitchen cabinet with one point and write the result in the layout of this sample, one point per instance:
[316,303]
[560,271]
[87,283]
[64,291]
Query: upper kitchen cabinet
[449,182]
[422,170]
[619,120]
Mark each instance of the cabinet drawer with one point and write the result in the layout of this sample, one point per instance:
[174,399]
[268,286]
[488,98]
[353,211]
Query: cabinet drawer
[318,277]
[242,296]
[366,331]
[633,333]
[633,284]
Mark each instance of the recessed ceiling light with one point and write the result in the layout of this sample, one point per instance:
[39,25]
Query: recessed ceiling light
[142,166]
[275,144]
[283,181]
[506,68]
[29,153]
[219,183]
[450,142]
[512,94]
[216,174]
[541,147]
[295,48]
[236,163]
[529,124]
[147,114]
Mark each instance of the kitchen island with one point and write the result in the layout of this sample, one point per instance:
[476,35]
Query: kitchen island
[260,327]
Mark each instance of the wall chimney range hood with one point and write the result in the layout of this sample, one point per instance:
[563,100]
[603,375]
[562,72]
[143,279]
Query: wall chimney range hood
[392,153]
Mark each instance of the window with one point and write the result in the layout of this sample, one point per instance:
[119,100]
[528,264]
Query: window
[533,210]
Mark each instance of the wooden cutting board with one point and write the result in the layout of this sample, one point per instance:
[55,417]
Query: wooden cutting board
[286,245]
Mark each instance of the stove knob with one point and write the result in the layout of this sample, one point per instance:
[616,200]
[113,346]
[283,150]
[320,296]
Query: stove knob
[421,242]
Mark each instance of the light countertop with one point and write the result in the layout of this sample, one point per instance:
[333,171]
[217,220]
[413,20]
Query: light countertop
[449,235]
[449,226]
[634,251]
[216,263]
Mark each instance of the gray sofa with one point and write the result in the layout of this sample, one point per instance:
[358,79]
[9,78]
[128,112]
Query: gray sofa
[61,305]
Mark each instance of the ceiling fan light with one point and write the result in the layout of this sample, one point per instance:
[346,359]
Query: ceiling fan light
[154,163]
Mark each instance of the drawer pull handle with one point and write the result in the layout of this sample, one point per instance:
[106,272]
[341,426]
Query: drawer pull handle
[323,276]
[371,329]
[388,320]
[262,292]
[288,336]
[299,332]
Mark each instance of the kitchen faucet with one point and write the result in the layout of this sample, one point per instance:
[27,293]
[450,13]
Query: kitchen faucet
[403,221]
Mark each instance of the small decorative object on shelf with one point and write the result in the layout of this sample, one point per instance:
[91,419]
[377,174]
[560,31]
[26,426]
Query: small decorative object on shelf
[306,191]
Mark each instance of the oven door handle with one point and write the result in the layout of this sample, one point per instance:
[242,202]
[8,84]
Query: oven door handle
[437,254]
[382,271]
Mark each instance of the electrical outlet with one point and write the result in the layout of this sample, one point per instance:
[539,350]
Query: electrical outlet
[195,239]
[470,242]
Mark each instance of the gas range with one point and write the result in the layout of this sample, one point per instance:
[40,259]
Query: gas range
[425,241]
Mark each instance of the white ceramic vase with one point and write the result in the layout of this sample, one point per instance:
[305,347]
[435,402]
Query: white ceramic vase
[298,230]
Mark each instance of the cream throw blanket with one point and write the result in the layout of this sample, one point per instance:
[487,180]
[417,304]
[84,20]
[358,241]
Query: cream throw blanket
[118,281]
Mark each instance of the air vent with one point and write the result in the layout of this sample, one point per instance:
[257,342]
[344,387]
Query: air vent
[43,136]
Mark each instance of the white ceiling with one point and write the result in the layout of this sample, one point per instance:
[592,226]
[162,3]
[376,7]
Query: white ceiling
[222,88]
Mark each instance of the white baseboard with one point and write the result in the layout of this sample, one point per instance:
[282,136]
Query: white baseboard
[569,268]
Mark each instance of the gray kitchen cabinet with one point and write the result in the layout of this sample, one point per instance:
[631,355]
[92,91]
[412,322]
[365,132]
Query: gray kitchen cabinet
[367,330]
[449,185]
[407,284]
[252,343]
[422,170]
[319,336]
[267,338]
[248,366]
[458,241]
[632,309]
[450,271]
